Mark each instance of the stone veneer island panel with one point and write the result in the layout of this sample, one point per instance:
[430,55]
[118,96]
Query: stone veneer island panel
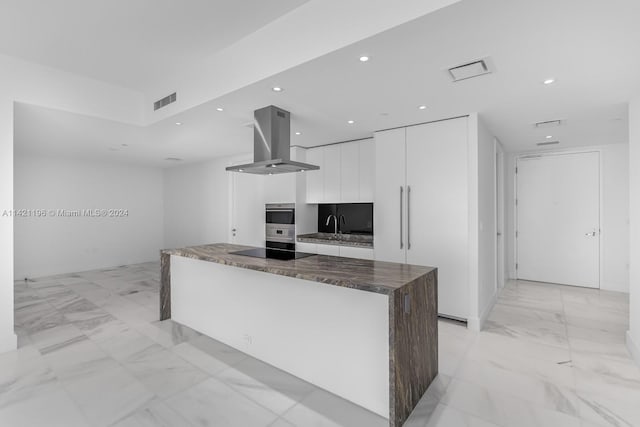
[412,308]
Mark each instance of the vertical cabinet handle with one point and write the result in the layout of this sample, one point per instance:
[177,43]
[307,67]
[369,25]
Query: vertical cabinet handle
[408,217]
[401,196]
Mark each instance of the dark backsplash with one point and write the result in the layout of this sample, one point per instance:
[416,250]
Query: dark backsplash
[358,217]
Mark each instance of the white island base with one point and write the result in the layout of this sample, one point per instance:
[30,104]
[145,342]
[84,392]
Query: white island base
[334,337]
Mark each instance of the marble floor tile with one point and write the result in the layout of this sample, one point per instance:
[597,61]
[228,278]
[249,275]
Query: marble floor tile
[323,409]
[429,402]
[93,353]
[213,403]
[270,387]
[220,351]
[24,375]
[107,395]
[126,344]
[446,416]
[53,409]
[162,372]
[204,361]
[155,414]
[503,409]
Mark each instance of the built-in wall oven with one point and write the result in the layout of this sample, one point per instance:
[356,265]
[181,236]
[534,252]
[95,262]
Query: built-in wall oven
[280,232]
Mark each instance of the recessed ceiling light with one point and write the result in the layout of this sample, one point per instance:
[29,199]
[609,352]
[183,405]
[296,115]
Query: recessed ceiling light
[297,133]
[350,122]
[364,58]
[549,81]
[422,107]
[270,174]
[240,170]
[549,136]
[276,89]
[178,123]
[220,109]
[273,166]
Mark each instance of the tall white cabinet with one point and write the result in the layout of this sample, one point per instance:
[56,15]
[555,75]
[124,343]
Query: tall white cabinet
[421,204]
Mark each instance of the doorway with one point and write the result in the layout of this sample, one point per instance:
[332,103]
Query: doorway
[246,208]
[558,218]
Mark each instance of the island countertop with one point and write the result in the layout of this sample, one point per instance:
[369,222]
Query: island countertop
[366,275]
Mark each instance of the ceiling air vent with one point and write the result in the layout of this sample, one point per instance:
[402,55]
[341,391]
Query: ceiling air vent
[173,159]
[547,143]
[470,69]
[548,124]
[169,99]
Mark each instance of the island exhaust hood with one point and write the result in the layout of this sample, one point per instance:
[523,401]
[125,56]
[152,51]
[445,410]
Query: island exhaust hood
[271,144]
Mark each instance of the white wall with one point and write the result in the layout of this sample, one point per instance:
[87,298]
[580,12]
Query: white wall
[487,281]
[633,336]
[197,204]
[614,215]
[25,82]
[53,245]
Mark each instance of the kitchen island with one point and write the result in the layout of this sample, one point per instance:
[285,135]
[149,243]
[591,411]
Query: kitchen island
[364,330]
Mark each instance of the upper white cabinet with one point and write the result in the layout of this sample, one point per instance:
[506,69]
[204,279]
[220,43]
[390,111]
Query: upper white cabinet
[346,173]
[315,178]
[331,173]
[349,171]
[366,170]
[421,205]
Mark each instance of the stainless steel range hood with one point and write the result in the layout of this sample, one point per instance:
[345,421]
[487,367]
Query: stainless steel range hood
[271,144]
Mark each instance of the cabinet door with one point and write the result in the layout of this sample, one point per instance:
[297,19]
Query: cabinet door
[310,248]
[280,188]
[353,252]
[331,173]
[315,180]
[366,170]
[389,215]
[329,250]
[438,208]
[350,172]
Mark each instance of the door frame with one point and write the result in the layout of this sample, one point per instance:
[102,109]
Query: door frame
[600,200]
[231,190]
[499,188]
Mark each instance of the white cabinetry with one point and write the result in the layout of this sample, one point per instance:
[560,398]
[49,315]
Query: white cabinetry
[421,204]
[315,178]
[331,173]
[334,250]
[350,171]
[328,250]
[353,252]
[346,173]
[310,248]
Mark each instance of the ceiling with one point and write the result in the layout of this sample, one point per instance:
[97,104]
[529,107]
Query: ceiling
[131,43]
[589,48]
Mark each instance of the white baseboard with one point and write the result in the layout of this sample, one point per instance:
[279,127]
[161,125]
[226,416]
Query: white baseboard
[633,347]
[8,342]
[477,323]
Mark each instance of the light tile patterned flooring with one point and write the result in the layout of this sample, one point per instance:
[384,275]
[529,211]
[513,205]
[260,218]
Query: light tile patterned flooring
[92,353]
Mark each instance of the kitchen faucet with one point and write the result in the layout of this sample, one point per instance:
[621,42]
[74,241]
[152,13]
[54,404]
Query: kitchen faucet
[335,223]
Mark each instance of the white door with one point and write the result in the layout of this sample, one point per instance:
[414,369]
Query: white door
[246,213]
[558,217]
[437,207]
[389,216]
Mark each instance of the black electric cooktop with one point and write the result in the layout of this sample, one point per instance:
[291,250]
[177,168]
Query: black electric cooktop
[272,253]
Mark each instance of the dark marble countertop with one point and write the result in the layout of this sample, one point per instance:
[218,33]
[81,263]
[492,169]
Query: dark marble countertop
[366,275]
[356,240]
